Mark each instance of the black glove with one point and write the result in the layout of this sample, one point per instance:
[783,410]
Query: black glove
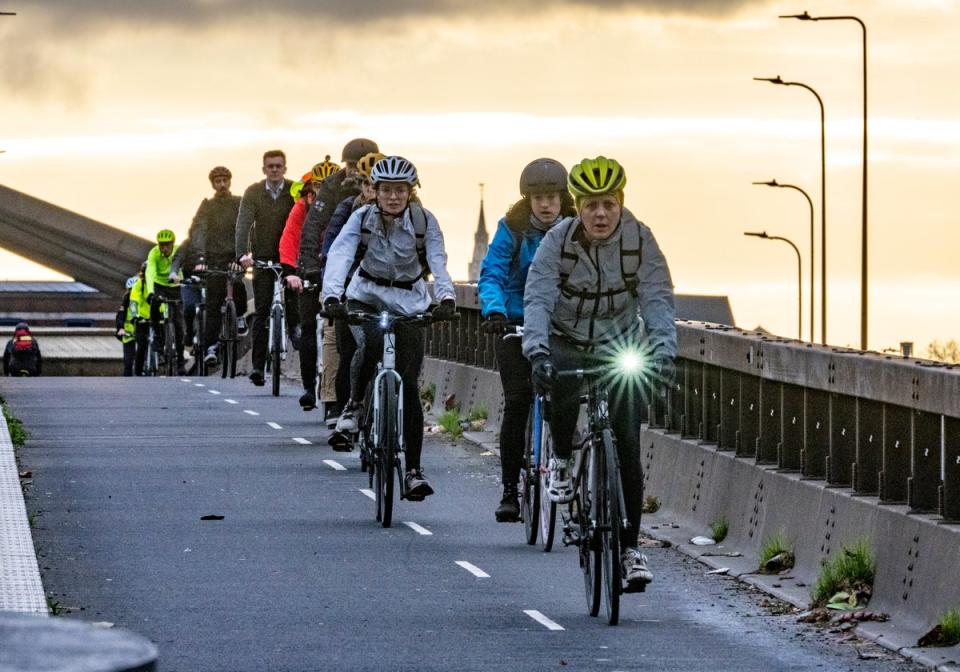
[333,307]
[496,323]
[446,310]
[543,373]
[150,297]
[664,370]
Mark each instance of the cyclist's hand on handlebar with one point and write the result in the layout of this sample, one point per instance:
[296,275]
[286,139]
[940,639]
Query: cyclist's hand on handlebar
[246,261]
[295,283]
[173,277]
[446,310]
[664,370]
[150,297]
[234,266]
[200,267]
[334,307]
[496,323]
[543,373]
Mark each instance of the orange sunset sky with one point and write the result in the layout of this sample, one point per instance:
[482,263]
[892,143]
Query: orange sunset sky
[117,110]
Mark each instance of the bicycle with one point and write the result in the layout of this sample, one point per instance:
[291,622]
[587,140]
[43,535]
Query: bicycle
[199,322]
[151,361]
[597,513]
[228,339]
[538,512]
[380,436]
[277,327]
[171,357]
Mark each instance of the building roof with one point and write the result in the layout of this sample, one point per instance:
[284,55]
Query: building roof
[51,286]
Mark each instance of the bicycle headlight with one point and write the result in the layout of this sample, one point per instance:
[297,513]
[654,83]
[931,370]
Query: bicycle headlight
[630,362]
[384,320]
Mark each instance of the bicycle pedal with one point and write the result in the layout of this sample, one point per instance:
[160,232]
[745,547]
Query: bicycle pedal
[635,587]
[571,539]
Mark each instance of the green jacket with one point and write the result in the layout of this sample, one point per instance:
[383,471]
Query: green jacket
[158,268]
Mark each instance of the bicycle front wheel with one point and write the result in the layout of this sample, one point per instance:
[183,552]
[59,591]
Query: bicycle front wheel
[590,557]
[170,348]
[276,347]
[608,522]
[548,508]
[199,327]
[386,451]
[530,489]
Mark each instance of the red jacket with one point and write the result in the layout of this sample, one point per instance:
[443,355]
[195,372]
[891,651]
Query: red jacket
[290,240]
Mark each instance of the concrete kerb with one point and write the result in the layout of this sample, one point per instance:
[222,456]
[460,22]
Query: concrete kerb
[21,589]
[916,557]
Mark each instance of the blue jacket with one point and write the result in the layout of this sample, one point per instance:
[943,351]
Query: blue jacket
[340,216]
[502,278]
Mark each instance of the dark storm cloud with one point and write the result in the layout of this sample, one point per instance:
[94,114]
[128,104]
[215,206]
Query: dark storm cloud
[70,14]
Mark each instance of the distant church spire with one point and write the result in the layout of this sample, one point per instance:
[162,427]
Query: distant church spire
[480,242]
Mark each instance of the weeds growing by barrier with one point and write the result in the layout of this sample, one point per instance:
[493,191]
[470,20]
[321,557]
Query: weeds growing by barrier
[773,546]
[18,435]
[850,571]
[478,413]
[720,527]
[950,628]
[449,421]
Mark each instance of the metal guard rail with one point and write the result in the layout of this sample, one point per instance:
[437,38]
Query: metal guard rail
[879,424]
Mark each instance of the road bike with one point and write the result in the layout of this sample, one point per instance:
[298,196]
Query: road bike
[538,512]
[228,338]
[167,362]
[380,425]
[277,327]
[199,322]
[594,519]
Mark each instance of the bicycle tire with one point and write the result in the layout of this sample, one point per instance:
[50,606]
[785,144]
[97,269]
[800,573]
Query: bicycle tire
[590,560]
[170,348]
[608,520]
[228,340]
[530,488]
[276,348]
[151,364]
[386,451]
[199,326]
[548,508]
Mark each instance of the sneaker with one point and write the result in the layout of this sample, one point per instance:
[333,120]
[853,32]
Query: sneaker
[509,509]
[559,485]
[211,356]
[242,326]
[348,419]
[308,401]
[635,570]
[256,377]
[340,442]
[295,335]
[417,486]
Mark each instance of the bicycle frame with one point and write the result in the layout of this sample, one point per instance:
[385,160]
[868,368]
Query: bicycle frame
[386,370]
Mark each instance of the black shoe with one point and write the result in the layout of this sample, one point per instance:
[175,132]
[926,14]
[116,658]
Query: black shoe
[509,509]
[417,486]
[256,377]
[340,442]
[308,401]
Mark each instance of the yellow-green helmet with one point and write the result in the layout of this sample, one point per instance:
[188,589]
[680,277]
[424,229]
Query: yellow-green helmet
[368,161]
[325,169]
[296,189]
[166,236]
[592,177]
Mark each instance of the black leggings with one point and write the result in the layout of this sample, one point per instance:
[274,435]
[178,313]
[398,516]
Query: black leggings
[625,406]
[517,396]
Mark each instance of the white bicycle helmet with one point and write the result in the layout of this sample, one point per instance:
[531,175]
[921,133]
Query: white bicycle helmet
[131,282]
[395,169]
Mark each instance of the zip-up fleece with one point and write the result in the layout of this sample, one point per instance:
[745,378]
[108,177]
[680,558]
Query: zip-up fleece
[597,272]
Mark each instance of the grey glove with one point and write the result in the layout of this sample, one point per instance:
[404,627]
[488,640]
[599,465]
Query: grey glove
[542,373]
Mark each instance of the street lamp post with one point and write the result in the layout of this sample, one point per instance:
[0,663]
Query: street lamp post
[823,212]
[774,183]
[763,234]
[863,232]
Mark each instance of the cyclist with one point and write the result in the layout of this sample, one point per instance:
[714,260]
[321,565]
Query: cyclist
[338,343]
[162,281]
[309,301]
[141,319]
[396,242]
[22,357]
[260,221]
[210,242]
[125,322]
[592,280]
[543,186]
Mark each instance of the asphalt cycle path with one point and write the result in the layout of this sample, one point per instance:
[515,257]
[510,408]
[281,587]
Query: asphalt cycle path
[298,575]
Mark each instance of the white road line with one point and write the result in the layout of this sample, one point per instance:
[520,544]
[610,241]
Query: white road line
[542,620]
[249,412]
[231,401]
[184,380]
[368,493]
[473,569]
[301,441]
[274,425]
[214,391]
[333,464]
[199,385]
[419,529]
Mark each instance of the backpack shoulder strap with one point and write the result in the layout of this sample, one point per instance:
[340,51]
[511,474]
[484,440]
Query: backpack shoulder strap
[631,249]
[568,257]
[419,218]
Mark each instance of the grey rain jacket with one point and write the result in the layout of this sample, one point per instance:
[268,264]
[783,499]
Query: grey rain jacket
[587,321]
[391,255]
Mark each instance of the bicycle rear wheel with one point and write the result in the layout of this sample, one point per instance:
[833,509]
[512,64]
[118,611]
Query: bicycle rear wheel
[608,521]
[386,451]
[590,558]
[548,508]
[276,347]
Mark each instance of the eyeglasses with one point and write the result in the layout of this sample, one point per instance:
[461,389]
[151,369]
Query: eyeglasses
[399,190]
[271,166]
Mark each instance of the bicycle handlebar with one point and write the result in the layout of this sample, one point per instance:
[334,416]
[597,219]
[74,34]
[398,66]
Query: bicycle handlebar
[357,317]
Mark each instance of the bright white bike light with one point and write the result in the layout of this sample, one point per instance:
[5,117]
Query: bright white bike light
[629,362]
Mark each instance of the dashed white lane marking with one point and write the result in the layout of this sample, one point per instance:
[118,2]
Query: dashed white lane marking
[214,391]
[542,620]
[274,425]
[419,529]
[333,464]
[231,401]
[199,385]
[473,569]
[249,412]
[302,441]
[369,493]
[184,380]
